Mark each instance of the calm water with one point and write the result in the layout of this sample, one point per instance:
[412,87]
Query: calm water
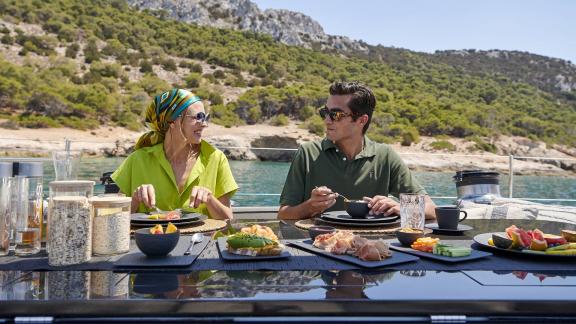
[267,178]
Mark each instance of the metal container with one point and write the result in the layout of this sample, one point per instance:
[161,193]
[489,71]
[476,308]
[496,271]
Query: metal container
[477,185]
[111,225]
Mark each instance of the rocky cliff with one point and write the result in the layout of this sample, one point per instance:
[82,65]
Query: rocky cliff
[292,28]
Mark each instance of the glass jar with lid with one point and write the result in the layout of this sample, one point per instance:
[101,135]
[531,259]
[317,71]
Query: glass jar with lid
[111,225]
[69,222]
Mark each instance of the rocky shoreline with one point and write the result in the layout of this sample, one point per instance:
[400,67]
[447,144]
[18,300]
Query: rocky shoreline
[256,143]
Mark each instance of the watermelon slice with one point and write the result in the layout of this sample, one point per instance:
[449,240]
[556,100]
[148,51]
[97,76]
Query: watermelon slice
[538,235]
[510,230]
[554,239]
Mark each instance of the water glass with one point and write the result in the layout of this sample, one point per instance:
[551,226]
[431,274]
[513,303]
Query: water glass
[5,215]
[27,227]
[412,210]
[66,164]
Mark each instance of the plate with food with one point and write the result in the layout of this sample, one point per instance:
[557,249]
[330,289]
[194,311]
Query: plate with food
[343,216]
[174,216]
[356,224]
[433,248]
[252,243]
[348,247]
[534,242]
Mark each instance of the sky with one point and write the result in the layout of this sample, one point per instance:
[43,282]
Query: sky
[545,27]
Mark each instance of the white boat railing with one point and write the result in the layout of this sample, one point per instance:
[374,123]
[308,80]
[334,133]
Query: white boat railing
[68,143]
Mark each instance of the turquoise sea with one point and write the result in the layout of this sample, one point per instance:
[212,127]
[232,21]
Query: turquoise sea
[261,182]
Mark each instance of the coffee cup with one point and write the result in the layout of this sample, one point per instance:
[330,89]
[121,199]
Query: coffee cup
[357,208]
[448,217]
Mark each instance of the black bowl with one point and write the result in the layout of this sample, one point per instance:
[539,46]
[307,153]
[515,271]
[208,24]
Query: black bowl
[357,208]
[319,230]
[155,245]
[407,238]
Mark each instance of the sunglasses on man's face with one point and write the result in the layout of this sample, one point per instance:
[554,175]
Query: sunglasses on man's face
[335,114]
[199,117]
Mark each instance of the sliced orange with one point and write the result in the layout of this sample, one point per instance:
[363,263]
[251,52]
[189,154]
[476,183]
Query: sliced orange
[171,228]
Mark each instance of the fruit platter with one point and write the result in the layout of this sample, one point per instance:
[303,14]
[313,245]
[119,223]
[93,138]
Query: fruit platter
[532,242]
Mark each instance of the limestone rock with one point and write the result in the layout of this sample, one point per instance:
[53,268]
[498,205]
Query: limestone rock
[292,28]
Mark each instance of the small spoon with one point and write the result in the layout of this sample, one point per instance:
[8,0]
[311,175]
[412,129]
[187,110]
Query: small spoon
[196,238]
[340,195]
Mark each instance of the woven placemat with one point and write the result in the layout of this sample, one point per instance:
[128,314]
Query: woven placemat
[207,225]
[307,223]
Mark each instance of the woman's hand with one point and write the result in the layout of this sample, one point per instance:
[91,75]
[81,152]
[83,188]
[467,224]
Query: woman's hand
[383,205]
[218,208]
[200,195]
[143,194]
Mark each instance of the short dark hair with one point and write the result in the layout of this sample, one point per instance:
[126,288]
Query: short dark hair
[362,101]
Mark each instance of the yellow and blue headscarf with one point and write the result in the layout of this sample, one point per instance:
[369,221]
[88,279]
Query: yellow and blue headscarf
[165,108]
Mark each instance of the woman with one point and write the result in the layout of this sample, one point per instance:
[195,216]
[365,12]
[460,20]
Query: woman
[172,166]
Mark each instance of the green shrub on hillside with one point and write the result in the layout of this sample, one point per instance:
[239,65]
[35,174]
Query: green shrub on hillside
[279,120]
[482,145]
[315,125]
[443,145]
[410,135]
[414,90]
[225,116]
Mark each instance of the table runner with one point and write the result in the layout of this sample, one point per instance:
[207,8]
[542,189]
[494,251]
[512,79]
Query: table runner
[302,260]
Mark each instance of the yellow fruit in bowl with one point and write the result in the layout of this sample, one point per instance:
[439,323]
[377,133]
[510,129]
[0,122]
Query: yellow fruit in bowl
[157,229]
[171,228]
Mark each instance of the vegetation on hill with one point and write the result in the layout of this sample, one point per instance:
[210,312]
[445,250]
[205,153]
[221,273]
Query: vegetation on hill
[103,61]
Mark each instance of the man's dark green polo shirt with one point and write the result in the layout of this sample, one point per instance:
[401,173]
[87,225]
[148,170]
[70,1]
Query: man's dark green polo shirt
[376,170]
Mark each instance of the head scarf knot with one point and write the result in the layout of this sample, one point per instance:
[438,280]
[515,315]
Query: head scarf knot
[165,108]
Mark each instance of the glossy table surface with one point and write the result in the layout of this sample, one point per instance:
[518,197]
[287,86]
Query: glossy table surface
[415,294]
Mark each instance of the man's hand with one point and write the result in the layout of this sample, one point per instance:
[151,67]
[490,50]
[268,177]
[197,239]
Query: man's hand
[382,205]
[144,194]
[199,195]
[321,198]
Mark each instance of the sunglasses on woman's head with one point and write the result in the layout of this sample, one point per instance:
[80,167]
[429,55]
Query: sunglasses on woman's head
[200,117]
[335,114]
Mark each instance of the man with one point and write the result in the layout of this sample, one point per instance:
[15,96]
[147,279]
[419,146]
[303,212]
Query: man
[346,162]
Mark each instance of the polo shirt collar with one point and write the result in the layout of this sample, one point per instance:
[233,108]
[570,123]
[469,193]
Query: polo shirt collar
[369,149]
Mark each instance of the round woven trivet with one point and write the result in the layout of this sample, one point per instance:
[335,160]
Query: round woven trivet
[207,225]
[307,223]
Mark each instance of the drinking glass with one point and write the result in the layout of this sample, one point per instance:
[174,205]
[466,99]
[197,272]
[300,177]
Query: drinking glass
[27,227]
[66,164]
[5,214]
[412,210]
